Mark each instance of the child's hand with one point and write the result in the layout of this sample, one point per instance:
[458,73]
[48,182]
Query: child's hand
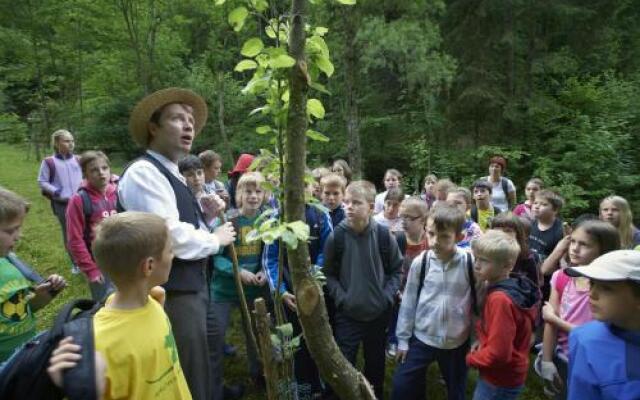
[563,244]
[548,313]
[212,204]
[98,279]
[552,382]
[158,294]
[65,356]
[261,279]
[56,283]
[290,301]
[225,234]
[401,356]
[475,346]
[248,278]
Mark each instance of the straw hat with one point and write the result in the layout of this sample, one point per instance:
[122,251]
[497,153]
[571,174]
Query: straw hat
[141,114]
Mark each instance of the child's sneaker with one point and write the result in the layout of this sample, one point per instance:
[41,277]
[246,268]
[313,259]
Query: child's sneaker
[392,350]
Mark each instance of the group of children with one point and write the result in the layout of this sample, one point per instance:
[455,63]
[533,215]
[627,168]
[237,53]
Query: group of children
[450,276]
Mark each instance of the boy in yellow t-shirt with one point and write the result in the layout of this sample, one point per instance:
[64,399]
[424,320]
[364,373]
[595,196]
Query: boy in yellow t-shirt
[133,336]
[483,210]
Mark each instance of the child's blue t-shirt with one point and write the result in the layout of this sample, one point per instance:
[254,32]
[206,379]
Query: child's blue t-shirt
[17,321]
[604,363]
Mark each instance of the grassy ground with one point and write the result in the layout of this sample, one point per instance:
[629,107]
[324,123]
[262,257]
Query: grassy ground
[41,246]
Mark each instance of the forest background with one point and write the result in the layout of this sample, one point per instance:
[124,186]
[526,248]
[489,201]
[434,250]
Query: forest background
[419,85]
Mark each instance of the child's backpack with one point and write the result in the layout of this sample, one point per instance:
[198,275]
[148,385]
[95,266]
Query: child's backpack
[25,374]
[52,174]
[472,280]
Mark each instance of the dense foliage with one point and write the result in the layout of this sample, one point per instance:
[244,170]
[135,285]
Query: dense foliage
[427,85]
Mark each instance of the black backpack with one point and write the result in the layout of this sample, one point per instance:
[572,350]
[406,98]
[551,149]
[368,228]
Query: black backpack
[25,373]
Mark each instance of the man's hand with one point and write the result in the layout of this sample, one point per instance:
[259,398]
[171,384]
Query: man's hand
[401,356]
[290,301]
[225,234]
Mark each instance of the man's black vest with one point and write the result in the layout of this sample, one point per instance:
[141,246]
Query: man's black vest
[186,275]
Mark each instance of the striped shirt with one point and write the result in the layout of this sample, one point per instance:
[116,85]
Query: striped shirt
[441,317]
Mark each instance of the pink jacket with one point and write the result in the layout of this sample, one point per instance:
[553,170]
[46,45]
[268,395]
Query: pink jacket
[103,206]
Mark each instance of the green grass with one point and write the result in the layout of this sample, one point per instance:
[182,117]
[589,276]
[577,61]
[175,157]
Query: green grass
[41,246]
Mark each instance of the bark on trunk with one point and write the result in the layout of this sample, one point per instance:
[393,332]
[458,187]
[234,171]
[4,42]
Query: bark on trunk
[346,381]
[223,130]
[351,70]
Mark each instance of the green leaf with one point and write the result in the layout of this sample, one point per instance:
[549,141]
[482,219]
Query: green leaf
[290,239]
[261,130]
[320,30]
[319,87]
[220,2]
[275,340]
[347,2]
[317,136]
[252,47]
[245,65]
[264,109]
[237,17]
[260,5]
[315,108]
[270,31]
[285,96]
[300,229]
[285,329]
[282,61]
[325,65]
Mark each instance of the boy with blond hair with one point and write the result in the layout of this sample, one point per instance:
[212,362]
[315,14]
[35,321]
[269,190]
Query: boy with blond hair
[332,194]
[363,268]
[434,323]
[501,354]
[133,336]
[22,291]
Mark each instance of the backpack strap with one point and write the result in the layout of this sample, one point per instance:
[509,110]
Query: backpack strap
[423,274]
[87,211]
[24,269]
[51,164]
[472,285]
[338,245]
[561,283]
[401,238]
[505,188]
[384,243]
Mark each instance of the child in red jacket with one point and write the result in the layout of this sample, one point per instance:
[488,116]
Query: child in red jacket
[501,354]
[96,200]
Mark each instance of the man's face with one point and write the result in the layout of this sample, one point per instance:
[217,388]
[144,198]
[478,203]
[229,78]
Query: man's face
[173,135]
[195,179]
[10,234]
[98,173]
[332,196]
[65,144]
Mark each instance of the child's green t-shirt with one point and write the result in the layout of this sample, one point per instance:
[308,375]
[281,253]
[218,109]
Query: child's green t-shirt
[17,322]
[223,287]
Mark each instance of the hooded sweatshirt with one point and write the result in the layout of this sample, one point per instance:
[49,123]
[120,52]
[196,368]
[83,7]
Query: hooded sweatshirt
[504,332]
[361,286]
[103,205]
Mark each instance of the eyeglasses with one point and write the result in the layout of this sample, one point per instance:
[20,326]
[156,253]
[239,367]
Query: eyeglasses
[409,218]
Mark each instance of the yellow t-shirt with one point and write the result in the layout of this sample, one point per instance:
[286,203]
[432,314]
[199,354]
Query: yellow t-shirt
[140,352]
[483,218]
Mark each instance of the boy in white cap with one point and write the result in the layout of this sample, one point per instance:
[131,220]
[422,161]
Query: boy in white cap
[605,354]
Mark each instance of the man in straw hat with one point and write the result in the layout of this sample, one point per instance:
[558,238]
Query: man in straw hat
[165,124]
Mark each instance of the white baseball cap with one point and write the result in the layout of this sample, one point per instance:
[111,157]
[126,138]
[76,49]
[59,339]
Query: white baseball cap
[619,265]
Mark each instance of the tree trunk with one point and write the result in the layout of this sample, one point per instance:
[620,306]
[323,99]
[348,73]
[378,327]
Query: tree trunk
[354,148]
[223,130]
[346,381]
